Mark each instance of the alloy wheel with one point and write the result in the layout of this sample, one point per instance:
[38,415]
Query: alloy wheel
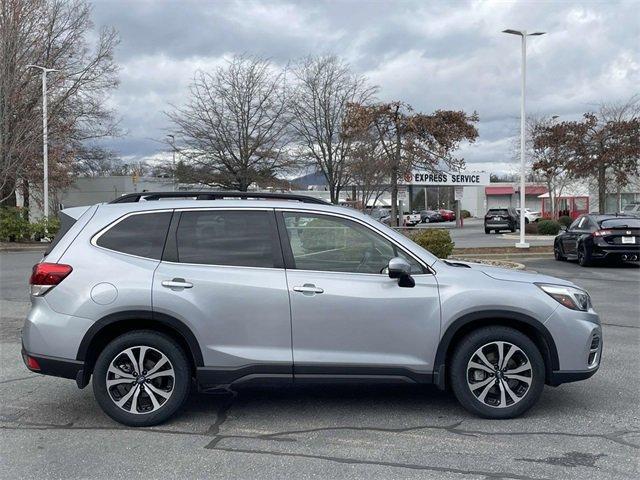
[140,379]
[499,374]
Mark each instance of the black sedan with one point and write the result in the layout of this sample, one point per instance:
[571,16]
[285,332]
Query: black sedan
[430,216]
[591,237]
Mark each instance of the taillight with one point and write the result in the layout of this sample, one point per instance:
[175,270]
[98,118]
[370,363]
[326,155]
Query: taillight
[45,276]
[602,233]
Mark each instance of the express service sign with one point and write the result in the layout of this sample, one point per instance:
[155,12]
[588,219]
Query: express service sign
[423,177]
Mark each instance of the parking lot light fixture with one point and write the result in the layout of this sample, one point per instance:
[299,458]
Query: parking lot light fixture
[45,149]
[523,34]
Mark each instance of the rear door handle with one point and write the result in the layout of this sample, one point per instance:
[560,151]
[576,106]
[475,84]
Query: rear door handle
[177,283]
[308,289]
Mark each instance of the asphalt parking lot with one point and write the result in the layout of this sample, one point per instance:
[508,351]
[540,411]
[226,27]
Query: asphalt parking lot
[590,429]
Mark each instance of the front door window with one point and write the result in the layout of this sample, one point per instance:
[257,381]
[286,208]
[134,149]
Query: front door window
[333,244]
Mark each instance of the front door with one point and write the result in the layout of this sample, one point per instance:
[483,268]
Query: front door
[348,316]
[222,275]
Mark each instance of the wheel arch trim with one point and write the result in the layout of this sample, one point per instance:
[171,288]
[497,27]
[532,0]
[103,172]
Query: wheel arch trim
[485,318]
[163,320]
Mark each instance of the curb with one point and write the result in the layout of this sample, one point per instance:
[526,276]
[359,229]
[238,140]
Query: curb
[488,261]
[511,236]
[7,247]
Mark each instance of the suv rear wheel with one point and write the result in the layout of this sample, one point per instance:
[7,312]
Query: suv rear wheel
[141,378]
[497,372]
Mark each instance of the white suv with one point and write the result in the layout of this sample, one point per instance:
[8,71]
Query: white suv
[530,215]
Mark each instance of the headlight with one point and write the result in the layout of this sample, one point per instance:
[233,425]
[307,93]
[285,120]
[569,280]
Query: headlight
[570,297]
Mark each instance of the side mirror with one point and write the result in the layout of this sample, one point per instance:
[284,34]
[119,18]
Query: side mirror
[563,228]
[401,269]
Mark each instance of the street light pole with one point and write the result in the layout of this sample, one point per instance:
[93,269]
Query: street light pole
[523,34]
[173,165]
[45,141]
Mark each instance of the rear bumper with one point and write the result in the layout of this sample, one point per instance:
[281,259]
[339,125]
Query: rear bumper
[54,366]
[504,224]
[606,250]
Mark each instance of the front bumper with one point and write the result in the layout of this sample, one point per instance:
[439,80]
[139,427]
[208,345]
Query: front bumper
[560,377]
[579,344]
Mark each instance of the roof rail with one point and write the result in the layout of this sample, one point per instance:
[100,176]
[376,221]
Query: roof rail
[146,196]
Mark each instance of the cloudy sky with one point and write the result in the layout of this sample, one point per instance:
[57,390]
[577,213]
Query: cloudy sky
[431,54]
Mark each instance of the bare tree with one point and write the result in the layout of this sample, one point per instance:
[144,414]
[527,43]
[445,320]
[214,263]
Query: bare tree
[232,131]
[52,33]
[324,88]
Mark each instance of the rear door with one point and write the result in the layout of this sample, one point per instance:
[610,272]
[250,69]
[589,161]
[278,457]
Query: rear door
[222,275]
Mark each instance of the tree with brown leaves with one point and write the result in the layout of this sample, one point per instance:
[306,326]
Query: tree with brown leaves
[411,139]
[603,147]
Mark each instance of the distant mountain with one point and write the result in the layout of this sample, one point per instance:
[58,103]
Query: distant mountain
[305,181]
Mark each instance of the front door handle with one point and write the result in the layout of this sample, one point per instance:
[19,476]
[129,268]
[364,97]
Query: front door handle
[308,289]
[177,283]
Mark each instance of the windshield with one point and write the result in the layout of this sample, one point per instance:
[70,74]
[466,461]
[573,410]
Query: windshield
[620,223]
[497,211]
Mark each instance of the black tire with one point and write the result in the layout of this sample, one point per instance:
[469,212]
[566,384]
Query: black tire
[487,231]
[584,256]
[557,252]
[465,350]
[526,220]
[513,229]
[181,382]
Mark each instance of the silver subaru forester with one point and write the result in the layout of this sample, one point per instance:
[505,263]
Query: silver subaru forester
[147,293]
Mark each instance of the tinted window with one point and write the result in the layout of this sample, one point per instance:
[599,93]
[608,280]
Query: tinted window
[620,223]
[497,211]
[575,223]
[226,238]
[140,234]
[333,244]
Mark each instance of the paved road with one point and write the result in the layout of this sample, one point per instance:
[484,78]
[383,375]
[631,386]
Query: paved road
[591,429]
[472,235]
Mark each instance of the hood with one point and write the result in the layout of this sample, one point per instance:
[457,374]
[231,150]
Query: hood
[510,275]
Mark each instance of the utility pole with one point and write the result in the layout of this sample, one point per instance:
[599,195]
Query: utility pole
[45,142]
[173,167]
[523,34]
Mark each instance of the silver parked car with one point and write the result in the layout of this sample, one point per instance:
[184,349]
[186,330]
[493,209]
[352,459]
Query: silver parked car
[141,297]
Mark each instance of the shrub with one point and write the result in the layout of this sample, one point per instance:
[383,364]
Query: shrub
[13,225]
[465,213]
[565,220]
[531,228]
[42,227]
[437,241]
[548,227]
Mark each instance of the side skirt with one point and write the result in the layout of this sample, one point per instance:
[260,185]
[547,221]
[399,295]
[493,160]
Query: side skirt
[212,378]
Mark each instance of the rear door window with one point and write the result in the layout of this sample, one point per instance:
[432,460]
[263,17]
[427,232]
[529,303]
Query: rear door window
[238,238]
[140,234]
[620,223]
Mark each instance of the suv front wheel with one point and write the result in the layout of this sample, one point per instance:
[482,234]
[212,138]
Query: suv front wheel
[141,378]
[497,372]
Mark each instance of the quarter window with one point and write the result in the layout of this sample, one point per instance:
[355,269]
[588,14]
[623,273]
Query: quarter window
[226,238]
[140,234]
[323,243]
